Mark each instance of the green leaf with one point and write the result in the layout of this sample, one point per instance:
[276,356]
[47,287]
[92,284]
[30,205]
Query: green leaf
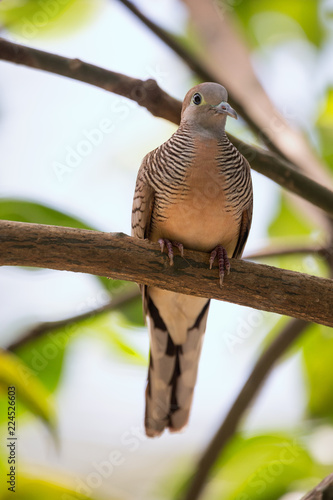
[31,19]
[34,395]
[28,488]
[325,128]
[115,287]
[272,20]
[133,313]
[288,222]
[317,363]
[29,211]
[259,468]
[290,226]
[112,329]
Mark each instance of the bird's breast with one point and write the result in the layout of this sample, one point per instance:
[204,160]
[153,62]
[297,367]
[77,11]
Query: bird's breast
[198,215]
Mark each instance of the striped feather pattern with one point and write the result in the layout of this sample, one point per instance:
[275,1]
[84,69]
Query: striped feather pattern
[177,322]
[237,177]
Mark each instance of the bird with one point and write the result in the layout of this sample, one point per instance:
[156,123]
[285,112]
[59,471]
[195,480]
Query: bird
[194,191]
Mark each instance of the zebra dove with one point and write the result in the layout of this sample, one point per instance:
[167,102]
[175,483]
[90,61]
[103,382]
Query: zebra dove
[194,190]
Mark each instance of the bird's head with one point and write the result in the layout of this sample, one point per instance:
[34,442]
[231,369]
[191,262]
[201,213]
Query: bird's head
[205,108]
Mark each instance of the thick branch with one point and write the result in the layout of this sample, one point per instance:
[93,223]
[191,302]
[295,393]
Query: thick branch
[119,256]
[246,396]
[159,103]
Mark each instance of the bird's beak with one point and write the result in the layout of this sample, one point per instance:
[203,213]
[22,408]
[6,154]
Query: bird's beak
[226,109]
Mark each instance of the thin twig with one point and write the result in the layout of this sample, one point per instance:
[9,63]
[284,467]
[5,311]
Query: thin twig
[275,251]
[323,490]
[48,326]
[159,103]
[263,366]
[122,257]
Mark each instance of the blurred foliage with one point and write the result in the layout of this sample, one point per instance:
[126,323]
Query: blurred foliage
[31,19]
[260,467]
[113,328]
[325,128]
[30,211]
[30,488]
[133,312]
[44,357]
[278,20]
[28,388]
[288,222]
[317,362]
[291,227]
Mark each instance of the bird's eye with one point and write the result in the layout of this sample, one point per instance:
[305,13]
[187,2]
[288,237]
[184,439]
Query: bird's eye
[197,99]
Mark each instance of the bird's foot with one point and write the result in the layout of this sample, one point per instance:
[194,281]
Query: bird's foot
[223,261]
[169,246]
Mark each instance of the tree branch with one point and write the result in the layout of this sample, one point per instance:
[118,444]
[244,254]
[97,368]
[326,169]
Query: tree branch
[41,329]
[323,490]
[119,256]
[146,93]
[149,95]
[249,391]
[279,251]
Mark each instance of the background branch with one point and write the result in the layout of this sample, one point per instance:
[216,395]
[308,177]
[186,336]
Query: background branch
[217,30]
[48,326]
[146,93]
[279,251]
[159,103]
[246,396]
[119,256]
[323,490]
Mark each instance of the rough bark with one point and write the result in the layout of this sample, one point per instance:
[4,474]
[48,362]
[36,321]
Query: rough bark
[119,256]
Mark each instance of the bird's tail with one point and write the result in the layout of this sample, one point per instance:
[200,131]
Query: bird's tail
[172,373]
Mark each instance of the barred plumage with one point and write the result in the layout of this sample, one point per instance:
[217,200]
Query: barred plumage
[195,189]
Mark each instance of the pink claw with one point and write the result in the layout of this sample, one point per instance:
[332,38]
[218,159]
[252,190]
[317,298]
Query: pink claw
[223,261]
[169,244]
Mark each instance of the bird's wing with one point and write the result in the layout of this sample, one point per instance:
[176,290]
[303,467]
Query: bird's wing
[246,219]
[143,203]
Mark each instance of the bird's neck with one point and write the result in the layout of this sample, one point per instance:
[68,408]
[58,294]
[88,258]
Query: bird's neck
[200,132]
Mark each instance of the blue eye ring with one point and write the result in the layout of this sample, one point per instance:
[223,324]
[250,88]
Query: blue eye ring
[197,99]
